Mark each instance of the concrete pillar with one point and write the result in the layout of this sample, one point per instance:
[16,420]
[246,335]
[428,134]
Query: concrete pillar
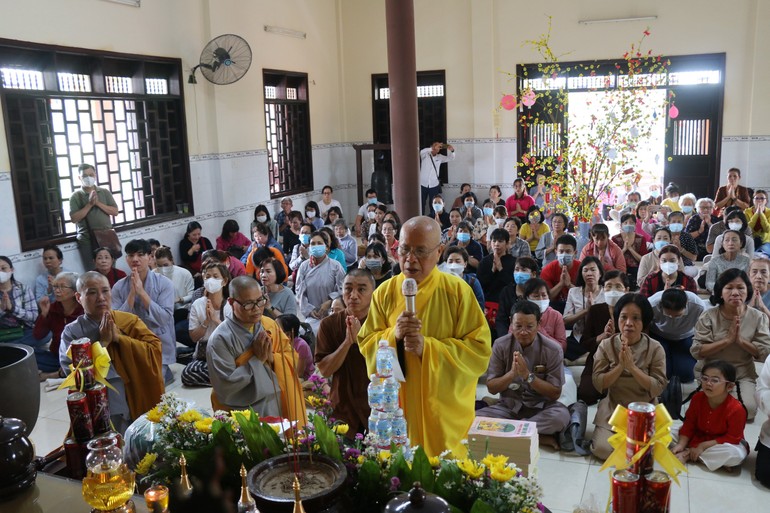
[402,80]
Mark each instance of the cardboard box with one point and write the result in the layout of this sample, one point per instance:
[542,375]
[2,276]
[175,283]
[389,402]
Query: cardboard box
[516,439]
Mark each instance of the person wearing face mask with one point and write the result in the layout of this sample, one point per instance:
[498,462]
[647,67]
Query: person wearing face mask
[517,246]
[526,369]
[586,292]
[730,257]
[319,281]
[655,196]
[430,163]
[464,189]
[525,268]
[312,216]
[375,221]
[370,199]
[498,221]
[301,251]
[495,270]
[465,240]
[649,262]
[733,194]
[631,244]
[535,228]
[687,206]
[456,262]
[262,215]
[627,207]
[183,291]
[481,228]
[469,211]
[758,217]
[599,325]
[736,221]
[759,274]
[671,203]
[732,332]
[699,224]
[682,240]
[551,322]
[263,240]
[676,314]
[206,313]
[439,213]
[545,251]
[669,275]
[377,262]
[91,208]
[560,275]
[280,299]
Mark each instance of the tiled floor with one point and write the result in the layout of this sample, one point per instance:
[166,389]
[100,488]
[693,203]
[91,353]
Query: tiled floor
[568,480]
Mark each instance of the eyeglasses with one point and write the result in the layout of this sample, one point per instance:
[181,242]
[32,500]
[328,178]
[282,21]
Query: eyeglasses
[419,253]
[712,381]
[760,198]
[61,287]
[252,305]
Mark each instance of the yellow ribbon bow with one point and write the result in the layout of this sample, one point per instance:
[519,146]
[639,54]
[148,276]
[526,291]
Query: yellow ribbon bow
[659,442]
[101,366]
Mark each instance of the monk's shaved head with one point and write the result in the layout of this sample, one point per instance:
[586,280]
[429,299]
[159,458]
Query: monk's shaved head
[241,285]
[426,227]
[419,247]
[88,277]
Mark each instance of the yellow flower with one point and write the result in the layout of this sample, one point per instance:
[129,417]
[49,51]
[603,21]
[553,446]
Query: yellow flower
[275,427]
[434,461]
[144,466]
[204,425]
[471,468]
[190,416]
[154,415]
[490,460]
[361,459]
[315,401]
[245,413]
[501,472]
[384,456]
[341,429]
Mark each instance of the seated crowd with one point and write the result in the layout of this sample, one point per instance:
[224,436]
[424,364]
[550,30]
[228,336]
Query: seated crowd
[255,317]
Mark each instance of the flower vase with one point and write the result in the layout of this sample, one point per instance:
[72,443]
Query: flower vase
[584,229]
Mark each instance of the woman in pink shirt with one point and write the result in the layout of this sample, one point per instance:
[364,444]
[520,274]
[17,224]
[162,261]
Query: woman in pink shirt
[519,202]
[601,247]
[551,322]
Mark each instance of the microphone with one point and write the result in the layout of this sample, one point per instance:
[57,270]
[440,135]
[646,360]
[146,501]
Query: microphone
[409,290]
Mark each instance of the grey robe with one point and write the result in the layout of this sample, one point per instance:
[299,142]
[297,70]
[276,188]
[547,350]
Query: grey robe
[253,384]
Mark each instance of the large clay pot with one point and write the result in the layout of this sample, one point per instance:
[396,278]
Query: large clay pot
[270,483]
[20,384]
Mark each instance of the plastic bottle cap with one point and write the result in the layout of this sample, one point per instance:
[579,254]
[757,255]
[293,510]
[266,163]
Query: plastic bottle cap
[400,412]
[372,377]
[384,343]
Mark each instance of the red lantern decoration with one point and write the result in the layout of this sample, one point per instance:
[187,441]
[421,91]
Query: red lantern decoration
[508,102]
[673,112]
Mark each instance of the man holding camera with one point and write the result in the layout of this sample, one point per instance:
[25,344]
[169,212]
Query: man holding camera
[430,162]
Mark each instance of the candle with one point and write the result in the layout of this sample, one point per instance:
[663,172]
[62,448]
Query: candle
[156,498]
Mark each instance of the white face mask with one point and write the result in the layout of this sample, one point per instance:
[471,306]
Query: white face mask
[612,296]
[542,304]
[456,269]
[262,219]
[310,214]
[166,271]
[500,222]
[370,215]
[735,226]
[88,181]
[212,285]
[4,276]
[669,267]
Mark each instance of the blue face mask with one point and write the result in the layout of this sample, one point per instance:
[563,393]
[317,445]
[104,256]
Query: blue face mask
[521,278]
[304,238]
[655,194]
[469,204]
[317,251]
[488,211]
[372,201]
[438,207]
[660,244]
[628,228]
[675,227]
[687,209]
[564,258]
[463,237]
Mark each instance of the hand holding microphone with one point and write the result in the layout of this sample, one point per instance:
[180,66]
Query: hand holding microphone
[408,326]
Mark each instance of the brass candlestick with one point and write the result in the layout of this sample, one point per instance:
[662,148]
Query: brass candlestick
[246,503]
[298,508]
[184,482]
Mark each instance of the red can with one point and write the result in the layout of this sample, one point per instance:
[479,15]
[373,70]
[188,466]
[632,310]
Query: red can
[625,492]
[75,456]
[639,431]
[656,497]
[80,417]
[84,378]
[99,407]
[80,350]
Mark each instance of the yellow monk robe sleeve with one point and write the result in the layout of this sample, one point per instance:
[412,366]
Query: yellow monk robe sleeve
[386,305]
[137,356]
[284,367]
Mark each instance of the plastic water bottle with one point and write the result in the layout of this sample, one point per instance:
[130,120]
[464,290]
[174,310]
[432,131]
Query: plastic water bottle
[390,394]
[383,430]
[375,391]
[384,359]
[398,428]
[373,422]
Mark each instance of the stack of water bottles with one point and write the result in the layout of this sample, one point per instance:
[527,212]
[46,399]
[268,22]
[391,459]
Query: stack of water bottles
[387,420]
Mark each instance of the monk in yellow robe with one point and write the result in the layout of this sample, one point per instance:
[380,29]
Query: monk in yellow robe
[135,372]
[446,345]
[251,361]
